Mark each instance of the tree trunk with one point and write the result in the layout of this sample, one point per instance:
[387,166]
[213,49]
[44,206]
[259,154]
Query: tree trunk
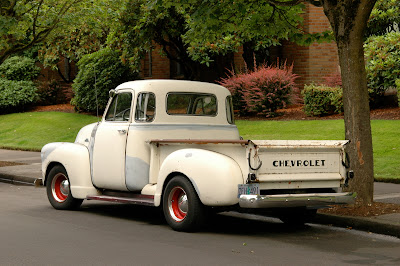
[357,118]
[348,20]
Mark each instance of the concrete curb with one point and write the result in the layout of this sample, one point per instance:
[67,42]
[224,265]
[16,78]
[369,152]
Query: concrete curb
[21,174]
[369,224]
[16,179]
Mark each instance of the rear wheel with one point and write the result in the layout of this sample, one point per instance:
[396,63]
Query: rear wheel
[58,190]
[182,207]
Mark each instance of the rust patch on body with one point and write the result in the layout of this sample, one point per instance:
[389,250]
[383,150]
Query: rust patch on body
[360,155]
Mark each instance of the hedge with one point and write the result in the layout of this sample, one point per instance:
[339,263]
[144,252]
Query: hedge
[320,100]
[15,95]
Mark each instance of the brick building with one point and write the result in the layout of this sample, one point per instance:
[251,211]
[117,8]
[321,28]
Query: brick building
[313,63]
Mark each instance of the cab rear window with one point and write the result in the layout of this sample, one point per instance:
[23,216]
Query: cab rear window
[192,104]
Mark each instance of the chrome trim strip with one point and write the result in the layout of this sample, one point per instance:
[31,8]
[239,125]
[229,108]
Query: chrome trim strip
[296,200]
[91,148]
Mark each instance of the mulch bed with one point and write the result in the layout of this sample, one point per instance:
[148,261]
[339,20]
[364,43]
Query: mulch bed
[66,108]
[3,163]
[374,209]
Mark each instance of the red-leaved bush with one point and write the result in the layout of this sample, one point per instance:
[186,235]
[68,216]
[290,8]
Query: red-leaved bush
[261,91]
[333,80]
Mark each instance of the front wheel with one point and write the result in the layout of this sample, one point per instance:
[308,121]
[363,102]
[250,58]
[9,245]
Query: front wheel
[182,207]
[58,190]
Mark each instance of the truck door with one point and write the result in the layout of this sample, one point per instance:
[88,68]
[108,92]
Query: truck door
[108,163]
[137,149]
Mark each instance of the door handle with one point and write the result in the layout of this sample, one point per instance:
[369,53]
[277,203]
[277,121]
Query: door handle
[122,131]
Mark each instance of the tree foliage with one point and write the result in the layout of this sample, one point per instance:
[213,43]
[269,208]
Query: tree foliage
[223,26]
[28,22]
[195,31]
[382,54]
[384,17]
[143,24]
[220,27]
[84,30]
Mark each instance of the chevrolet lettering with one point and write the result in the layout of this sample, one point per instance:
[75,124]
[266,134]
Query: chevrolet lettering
[298,163]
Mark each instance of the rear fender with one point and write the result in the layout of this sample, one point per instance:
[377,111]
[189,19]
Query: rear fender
[214,176]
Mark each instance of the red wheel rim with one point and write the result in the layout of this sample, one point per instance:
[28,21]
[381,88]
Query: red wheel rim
[60,187]
[178,204]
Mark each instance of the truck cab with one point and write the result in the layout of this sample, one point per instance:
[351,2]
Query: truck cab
[121,154]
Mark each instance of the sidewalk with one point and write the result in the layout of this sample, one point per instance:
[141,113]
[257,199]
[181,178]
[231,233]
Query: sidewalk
[26,173]
[388,224]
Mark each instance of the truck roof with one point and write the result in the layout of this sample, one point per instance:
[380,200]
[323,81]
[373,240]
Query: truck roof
[164,86]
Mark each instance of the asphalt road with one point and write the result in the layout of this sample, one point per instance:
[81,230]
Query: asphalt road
[33,233]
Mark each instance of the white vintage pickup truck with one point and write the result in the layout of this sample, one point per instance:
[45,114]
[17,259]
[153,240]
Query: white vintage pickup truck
[173,144]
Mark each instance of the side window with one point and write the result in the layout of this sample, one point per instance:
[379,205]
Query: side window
[120,107]
[145,107]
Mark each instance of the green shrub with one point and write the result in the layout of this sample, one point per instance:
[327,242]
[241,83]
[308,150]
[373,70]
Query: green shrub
[261,91]
[320,100]
[19,68]
[382,54]
[15,95]
[110,72]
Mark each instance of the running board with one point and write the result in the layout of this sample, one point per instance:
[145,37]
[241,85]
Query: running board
[136,199]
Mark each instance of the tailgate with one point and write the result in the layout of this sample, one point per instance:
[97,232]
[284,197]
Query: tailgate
[294,164]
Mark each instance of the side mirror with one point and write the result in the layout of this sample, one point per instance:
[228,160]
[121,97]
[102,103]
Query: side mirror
[111,93]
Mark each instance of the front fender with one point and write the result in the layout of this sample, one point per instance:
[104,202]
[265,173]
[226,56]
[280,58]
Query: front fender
[214,176]
[75,159]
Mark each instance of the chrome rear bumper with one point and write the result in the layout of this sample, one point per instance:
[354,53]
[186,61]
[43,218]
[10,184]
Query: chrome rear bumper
[296,200]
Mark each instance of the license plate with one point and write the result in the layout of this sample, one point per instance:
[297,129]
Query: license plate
[248,189]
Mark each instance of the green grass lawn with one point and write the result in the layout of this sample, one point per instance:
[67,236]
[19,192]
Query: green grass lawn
[385,137]
[30,131]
